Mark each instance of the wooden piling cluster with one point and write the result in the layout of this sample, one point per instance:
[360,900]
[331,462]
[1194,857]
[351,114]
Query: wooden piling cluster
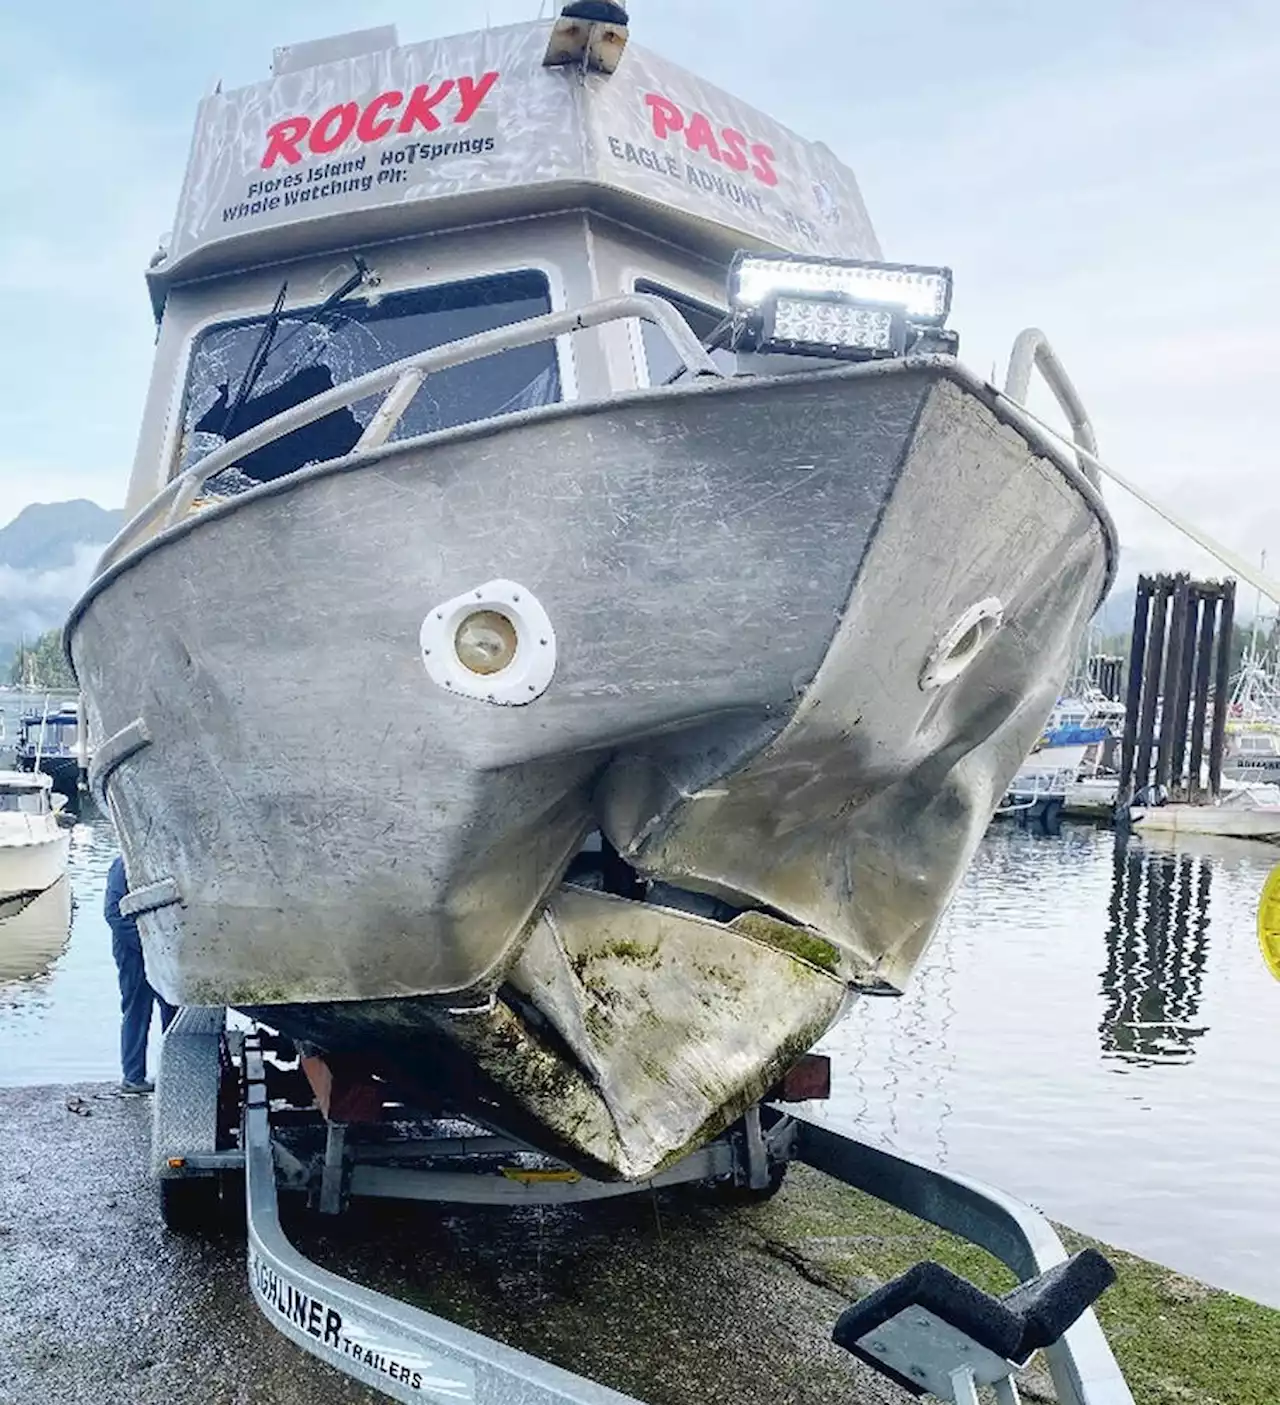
[1179,664]
[1107,675]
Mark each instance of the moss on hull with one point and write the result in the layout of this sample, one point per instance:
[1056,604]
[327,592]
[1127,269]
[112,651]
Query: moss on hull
[786,936]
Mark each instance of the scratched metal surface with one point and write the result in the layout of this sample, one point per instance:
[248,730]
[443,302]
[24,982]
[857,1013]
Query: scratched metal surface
[745,580]
[861,817]
[543,135]
[675,1025]
[694,551]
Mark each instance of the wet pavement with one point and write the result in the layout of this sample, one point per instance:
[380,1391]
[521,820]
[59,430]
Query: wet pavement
[672,1300]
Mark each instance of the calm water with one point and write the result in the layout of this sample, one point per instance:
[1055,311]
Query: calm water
[1093,1030]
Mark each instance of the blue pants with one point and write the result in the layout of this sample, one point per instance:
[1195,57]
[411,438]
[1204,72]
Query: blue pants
[136,998]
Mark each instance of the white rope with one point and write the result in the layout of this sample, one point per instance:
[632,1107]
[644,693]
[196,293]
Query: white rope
[1229,558]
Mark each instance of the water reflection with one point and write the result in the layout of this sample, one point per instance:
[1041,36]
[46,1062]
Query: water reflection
[1157,944]
[34,931]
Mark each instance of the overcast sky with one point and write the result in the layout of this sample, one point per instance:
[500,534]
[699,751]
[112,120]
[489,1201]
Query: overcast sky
[1108,170]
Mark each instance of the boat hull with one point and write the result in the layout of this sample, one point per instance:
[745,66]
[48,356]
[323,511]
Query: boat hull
[1260,823]
[747,583]
[32,865]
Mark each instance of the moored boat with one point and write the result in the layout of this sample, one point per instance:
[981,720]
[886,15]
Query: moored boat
[51,740]
[711,603]
[1071,767]
[1244,811]
[33,845]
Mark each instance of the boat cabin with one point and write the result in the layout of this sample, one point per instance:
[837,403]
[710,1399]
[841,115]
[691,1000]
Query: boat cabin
[1256,745]
[54,734]
[24,793]
[369,201]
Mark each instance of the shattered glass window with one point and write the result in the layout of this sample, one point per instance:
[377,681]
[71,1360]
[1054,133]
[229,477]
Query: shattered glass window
[660,356]
[311,351]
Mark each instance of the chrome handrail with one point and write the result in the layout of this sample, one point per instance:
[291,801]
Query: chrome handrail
[402,380]
[1031,351]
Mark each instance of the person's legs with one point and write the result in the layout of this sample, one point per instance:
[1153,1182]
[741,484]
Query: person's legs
[135,1009]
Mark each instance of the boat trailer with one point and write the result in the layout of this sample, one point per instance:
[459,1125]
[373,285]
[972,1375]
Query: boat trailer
[223,1135]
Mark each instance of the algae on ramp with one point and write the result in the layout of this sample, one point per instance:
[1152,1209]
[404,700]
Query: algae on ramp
[1178,1342]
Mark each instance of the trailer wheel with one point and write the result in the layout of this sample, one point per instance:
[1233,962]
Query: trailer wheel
[727,1192]
[191,1204]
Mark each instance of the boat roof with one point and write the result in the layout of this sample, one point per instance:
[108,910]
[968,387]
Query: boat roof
[25,780]
[359,139]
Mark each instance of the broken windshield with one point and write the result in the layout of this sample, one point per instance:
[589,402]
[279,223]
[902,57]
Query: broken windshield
[313,351]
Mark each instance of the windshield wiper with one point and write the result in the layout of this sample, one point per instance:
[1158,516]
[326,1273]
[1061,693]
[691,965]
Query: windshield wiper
[360,276]
[262,351]
[257,361]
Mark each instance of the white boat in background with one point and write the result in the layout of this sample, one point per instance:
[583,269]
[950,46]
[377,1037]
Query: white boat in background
[1253,723]
[1071,768]
[1245,811]
[1253,753]
[33,845]
[53,738]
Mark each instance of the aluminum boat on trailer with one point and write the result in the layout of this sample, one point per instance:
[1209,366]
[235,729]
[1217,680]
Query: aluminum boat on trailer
[557,414]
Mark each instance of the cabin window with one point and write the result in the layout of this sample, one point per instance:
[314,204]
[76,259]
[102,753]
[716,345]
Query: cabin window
[24,801]
[58,736]
[309,351]
[660,356]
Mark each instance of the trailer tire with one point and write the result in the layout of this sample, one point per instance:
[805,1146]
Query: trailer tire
[190,1204]
[728,1192]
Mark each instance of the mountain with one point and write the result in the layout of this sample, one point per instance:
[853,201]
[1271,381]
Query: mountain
[47,554]
[1115,616]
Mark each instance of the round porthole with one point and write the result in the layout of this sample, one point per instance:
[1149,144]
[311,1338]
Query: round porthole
[486,641]
[493,644]
[962,643]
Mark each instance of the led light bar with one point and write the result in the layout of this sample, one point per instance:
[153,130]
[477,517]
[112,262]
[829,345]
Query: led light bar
[832,325]
[924,294]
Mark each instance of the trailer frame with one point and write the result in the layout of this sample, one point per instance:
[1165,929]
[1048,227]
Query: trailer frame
[413,1356]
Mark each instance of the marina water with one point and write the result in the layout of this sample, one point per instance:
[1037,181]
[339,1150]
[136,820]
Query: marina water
[1093,1030]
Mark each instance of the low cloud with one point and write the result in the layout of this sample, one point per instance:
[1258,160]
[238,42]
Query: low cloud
[32,602]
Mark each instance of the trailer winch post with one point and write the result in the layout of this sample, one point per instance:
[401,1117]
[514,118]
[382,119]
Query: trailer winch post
[1083,1368]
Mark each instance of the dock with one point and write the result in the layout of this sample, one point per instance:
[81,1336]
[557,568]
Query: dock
[670,1299]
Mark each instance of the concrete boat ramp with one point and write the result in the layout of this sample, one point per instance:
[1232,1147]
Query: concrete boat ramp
[670,1299]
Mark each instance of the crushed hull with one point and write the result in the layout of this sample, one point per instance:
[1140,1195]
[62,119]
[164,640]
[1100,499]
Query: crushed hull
[747,583]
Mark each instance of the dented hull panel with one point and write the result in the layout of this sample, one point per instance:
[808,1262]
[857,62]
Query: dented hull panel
[749,583]
[625,1035]
[341,827]
[871,801]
